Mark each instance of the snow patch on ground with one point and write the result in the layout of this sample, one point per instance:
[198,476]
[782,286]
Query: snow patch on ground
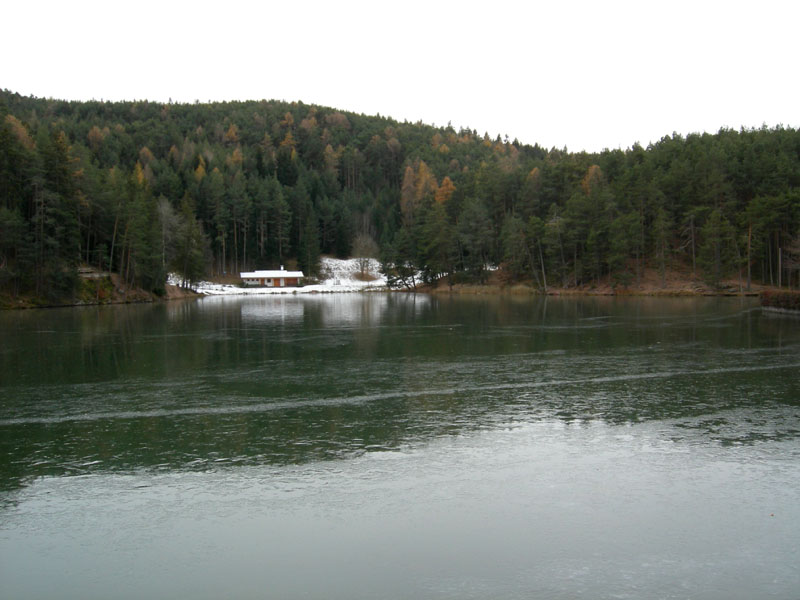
[336,276]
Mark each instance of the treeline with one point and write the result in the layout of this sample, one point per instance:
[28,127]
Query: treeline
[144,188]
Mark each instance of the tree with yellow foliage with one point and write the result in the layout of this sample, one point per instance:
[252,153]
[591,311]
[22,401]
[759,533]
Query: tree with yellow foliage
[445,191]
[232,135]
[425,181]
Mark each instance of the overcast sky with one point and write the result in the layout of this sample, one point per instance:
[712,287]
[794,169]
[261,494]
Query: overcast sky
[586,75]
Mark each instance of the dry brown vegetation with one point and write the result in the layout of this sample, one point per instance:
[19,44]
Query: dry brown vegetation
[675,282]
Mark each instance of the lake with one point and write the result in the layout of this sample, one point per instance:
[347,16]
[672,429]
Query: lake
[401,446]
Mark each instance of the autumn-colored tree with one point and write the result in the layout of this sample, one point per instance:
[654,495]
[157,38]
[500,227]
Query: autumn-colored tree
[444,191]
[146,156]
[426,185]
[308,124]
[200,171]
[530,195]
[337,119]
[592,179]
[174,156]
[235,159]
[288,141]
[95,138]
[232,135]
[331,158]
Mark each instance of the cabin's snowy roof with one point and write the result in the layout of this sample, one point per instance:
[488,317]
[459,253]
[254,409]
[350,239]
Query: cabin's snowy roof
[271,274]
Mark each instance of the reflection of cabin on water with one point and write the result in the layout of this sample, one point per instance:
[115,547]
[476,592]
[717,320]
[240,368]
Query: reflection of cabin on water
[279,278]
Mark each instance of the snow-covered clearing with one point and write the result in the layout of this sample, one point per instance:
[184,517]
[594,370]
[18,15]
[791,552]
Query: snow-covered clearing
[336,276]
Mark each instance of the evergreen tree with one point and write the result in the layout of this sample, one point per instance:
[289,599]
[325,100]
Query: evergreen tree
[191,246]
[279,221]
[398,261]
[475,237]
[308,247]
[718,251]
[516,253]
[14,250]
[438,249]
[56,229]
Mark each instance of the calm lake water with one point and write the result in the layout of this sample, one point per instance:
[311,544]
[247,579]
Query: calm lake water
[391,446]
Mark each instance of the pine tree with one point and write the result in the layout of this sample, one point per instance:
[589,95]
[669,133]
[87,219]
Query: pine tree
[308,250]
[279,220]
[439,248]
[516,253]
[191,246]
[475,237]
[718,250]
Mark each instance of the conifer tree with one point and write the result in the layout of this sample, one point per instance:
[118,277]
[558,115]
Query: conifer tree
[191,246]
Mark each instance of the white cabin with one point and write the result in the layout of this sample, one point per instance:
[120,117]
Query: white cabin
[276,278]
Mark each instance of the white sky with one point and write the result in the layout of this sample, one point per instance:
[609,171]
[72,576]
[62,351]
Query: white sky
[581,74]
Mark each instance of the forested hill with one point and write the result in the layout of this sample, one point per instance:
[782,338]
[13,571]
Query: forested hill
[144,188]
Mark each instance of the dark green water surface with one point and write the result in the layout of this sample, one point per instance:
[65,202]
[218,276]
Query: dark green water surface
[392,446]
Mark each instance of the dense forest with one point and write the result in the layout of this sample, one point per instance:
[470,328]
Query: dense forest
[142,189]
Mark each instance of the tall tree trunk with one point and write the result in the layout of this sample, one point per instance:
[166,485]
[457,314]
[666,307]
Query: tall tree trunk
[541,260]
[769,261]
[122,271]
[163,243]
[113,241]
[640,249]
[224,261]
[39,212]
[749,244]
[575,263]
[260,235]
[694,262]
[235,248]
[739,262]
[280,243]
[534,270]
[87,258]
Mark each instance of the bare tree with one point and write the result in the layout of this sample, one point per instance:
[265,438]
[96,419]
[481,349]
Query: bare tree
[364,249]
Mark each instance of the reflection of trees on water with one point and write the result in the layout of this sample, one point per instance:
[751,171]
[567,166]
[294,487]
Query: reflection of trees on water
[193,386]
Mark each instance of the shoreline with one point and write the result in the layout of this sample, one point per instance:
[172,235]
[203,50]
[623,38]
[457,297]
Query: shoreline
[347,276]
[565,292]
[697,290]
[133,296]
[177,293]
